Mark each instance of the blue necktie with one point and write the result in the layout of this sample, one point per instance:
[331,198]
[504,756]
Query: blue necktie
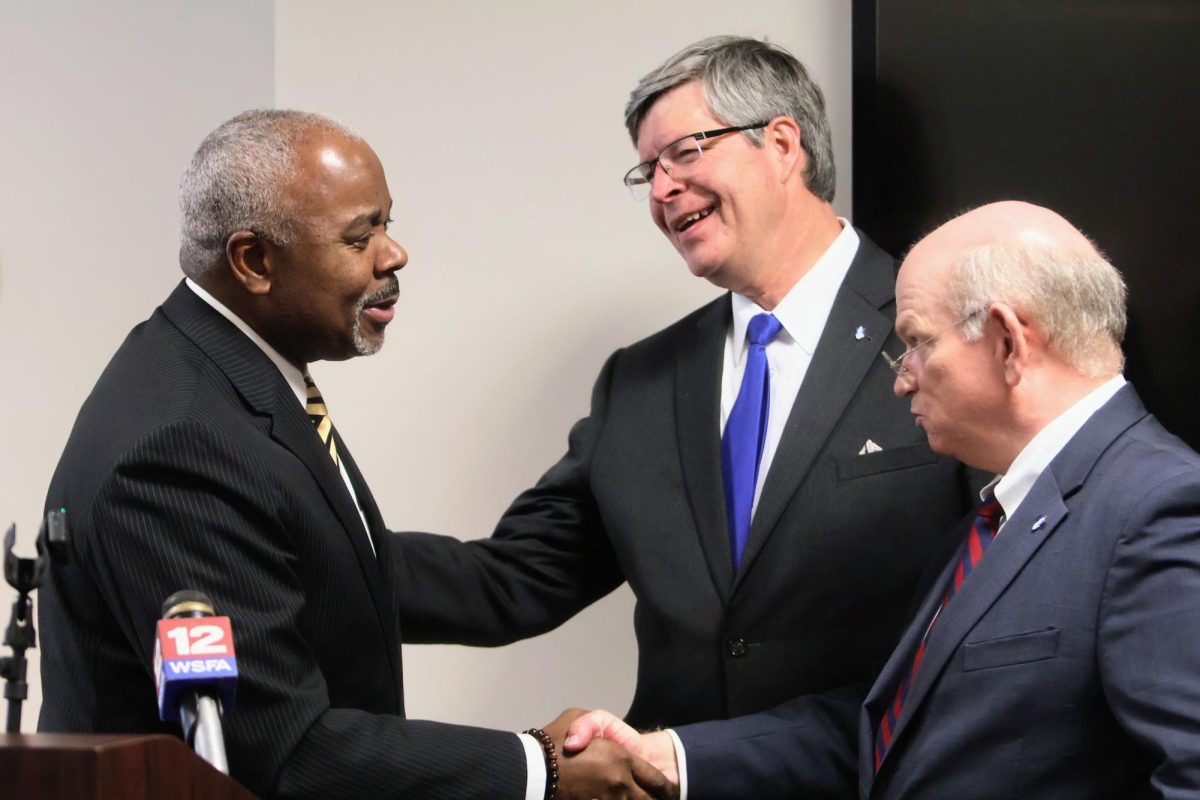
[745,430]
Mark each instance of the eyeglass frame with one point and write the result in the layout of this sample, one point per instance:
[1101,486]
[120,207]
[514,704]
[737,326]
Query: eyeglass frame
[897,364]
[634,177]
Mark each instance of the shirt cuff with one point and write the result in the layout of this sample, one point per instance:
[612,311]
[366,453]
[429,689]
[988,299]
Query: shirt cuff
[681,763]
[535,763]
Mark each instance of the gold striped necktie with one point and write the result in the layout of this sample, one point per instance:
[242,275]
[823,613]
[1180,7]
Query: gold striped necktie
[320,419]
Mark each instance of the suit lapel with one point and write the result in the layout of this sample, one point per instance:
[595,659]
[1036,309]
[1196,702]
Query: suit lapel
[267,394]
[372,560]
[838,367]
[1040,514]
[883,691]
[1038,517]
[698,420]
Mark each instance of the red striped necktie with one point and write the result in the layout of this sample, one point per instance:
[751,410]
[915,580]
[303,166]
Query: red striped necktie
[983,531]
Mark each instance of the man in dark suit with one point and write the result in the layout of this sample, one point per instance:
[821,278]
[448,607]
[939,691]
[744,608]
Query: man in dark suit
[765,565]
[205,459]
[1060,656]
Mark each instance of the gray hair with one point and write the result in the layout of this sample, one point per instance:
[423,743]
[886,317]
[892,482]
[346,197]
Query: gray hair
[1077,297]
[237,181]
[747,81]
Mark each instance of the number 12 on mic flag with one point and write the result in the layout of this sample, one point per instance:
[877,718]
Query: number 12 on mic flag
[193,653]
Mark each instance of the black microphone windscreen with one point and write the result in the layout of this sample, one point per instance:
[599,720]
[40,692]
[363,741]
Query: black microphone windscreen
[187,603]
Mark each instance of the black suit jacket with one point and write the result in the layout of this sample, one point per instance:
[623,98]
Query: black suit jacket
[834,552]
[1067,666]
[192,466]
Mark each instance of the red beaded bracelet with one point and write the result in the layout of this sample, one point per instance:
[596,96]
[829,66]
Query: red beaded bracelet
[551,761]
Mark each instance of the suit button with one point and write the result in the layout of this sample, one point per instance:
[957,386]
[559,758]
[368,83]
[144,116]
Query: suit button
[736,647]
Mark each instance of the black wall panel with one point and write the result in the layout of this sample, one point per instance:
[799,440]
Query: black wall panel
[1091,108]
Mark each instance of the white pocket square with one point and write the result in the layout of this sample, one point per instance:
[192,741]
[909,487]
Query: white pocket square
[869,447]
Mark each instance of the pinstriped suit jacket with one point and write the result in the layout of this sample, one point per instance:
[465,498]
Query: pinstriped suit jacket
[192,466]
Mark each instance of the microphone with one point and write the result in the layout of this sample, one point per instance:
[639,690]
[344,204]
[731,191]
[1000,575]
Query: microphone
[195,672]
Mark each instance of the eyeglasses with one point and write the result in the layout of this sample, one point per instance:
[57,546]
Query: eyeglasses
[897,364]
[677,159]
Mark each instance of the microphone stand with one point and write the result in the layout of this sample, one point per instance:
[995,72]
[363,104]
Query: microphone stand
[25,575]
[200,716]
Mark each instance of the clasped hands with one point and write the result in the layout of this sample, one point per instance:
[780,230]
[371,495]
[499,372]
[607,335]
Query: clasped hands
[602,758]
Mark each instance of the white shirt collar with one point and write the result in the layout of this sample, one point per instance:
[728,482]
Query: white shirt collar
[804,309]
[1012,487]
[294,376]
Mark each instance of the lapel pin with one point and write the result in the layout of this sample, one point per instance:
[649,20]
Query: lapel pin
[1038,524]
[860,333]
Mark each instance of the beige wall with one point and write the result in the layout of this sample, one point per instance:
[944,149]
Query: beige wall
[499,125]
[101,106]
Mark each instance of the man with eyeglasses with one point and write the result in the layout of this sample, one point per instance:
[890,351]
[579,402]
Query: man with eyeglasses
[1056,652]
[746,469]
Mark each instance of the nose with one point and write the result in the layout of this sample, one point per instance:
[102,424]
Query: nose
[392,257]
[662,186]
[905,383]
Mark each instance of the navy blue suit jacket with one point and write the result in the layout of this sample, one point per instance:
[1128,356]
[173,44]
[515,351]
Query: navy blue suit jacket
[1068,665]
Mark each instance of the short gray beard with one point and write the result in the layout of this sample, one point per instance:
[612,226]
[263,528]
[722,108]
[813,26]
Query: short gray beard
[361,345]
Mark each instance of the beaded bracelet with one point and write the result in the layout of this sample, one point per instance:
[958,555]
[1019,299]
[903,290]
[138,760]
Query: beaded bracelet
[551,761]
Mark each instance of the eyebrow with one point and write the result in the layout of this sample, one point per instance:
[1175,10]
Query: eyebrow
[373,217]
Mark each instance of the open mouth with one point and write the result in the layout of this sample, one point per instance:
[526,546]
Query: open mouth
[381,311]
[682,224]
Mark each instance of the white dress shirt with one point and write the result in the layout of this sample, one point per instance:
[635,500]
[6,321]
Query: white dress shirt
[802,312]
[1011,487]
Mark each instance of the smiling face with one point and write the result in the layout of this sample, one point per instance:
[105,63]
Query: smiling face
[724,218]
[333,287]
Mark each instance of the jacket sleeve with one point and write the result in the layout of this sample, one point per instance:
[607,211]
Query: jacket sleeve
[1149,630]
[807,747]
[548,558]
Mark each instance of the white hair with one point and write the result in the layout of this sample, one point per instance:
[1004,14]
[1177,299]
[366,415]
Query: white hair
[1076,296]
[237,179]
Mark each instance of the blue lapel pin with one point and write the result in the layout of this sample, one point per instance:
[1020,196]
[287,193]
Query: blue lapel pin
[861,333]
[1038,524]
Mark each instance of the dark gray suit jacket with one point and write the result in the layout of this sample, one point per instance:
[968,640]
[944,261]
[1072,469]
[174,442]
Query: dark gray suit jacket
[1067,666]
[834,552]
[192,466]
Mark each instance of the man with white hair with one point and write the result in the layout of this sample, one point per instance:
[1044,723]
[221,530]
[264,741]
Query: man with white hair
[1056,652]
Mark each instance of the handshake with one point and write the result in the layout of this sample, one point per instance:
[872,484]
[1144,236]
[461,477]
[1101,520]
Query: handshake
[602,758]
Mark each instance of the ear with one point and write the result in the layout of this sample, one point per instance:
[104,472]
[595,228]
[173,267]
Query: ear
[783,138]
[249,258]
[1012,347]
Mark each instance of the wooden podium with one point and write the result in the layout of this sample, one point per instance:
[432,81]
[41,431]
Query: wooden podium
[50,766]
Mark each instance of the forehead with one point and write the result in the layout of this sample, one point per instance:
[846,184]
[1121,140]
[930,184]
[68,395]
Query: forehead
[676,113]
[921,286]
[336,177]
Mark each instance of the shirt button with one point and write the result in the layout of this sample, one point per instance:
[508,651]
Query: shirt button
[736,647]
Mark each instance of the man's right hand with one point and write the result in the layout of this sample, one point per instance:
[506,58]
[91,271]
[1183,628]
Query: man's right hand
[600,768]
[657,747]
